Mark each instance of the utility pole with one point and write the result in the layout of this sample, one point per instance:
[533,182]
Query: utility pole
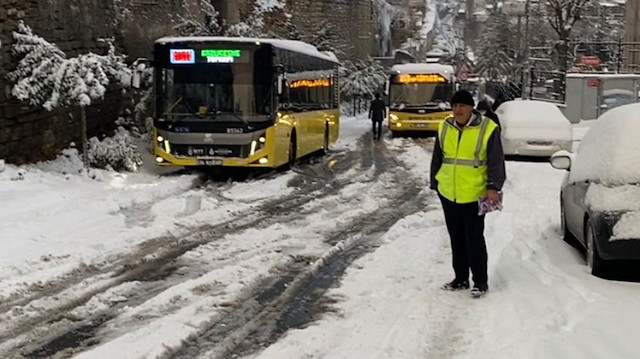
[526,70]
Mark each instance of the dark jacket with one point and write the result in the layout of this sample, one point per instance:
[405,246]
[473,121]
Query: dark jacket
[496,172]
[377,110]
[492,115]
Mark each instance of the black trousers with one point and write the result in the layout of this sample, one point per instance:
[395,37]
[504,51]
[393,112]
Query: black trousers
[376,135]
[468,247]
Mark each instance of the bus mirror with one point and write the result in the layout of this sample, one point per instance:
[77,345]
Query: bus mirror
[280,84]
[139,66]
[386,88]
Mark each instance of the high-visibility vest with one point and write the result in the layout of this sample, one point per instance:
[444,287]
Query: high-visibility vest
[462,178]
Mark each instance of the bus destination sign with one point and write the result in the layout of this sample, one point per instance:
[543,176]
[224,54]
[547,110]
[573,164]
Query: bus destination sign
[182,56]
[208,56]
[420,78]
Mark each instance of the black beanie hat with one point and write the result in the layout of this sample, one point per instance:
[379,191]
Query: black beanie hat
[463,97]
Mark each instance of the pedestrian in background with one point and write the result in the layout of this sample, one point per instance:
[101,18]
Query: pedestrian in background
[485,110]
[377,113]
[467,165]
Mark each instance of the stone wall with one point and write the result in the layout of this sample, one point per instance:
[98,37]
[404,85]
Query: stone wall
[355,22]
[30,134]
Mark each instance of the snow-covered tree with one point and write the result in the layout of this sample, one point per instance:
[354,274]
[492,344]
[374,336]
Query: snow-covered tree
[288,30]
[204,24]
[326,38]
[252,26]
[562,16]
[494,60]
[361,79]
[46,77]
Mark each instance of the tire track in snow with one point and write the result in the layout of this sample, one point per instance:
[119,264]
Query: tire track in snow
[154,256]
[251,326]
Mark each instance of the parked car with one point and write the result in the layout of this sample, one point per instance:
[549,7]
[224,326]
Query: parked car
[533,128]
[600,195]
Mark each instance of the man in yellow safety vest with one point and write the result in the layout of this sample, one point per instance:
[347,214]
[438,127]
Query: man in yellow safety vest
[467,165]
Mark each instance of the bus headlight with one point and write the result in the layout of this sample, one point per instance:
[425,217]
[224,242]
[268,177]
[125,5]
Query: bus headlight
[393,117]
[263,161]
[160,139]
[257,145]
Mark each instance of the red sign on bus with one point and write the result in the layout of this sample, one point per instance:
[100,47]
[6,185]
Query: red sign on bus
[179,56]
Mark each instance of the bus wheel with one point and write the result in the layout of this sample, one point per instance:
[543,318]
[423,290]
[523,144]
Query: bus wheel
[292,150]
[325,144]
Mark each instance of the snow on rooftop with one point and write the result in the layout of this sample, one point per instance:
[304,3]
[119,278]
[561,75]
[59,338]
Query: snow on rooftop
[444,70]
[609,151]
[291,45]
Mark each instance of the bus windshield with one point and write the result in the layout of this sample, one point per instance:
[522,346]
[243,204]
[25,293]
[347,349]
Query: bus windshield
[211,91]
[421,94]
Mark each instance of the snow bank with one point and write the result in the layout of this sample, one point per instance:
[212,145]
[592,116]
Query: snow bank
[609,151]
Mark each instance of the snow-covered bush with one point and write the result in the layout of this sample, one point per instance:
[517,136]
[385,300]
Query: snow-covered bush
[118,152]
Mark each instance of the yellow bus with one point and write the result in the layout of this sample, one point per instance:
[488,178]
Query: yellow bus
[241,102]
[419,96]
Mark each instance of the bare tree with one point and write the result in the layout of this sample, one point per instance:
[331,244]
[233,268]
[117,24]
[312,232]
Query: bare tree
[562,16]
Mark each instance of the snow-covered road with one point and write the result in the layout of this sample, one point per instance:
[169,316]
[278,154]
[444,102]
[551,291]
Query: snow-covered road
[341,258]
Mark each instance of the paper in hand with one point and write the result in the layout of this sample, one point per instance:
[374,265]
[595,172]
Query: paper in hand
[485,207]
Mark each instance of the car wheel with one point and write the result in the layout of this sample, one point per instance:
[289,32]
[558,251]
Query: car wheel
[595,263]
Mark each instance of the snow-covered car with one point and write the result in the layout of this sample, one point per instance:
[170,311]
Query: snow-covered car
[533,128]
[600,195]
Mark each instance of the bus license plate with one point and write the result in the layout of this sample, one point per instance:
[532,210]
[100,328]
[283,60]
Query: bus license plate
[210,162]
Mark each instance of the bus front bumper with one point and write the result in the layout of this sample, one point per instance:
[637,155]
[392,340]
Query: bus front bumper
[413,122]
[258,160]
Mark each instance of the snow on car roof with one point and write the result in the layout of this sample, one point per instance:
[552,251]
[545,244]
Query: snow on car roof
[444,70]
[609,151]
[531,112]
[291,45]
[526,120]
